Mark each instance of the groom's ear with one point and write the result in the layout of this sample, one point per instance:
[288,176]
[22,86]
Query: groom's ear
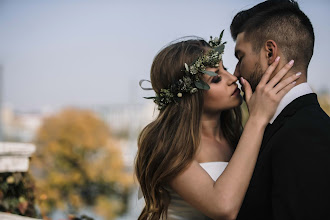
[271,51]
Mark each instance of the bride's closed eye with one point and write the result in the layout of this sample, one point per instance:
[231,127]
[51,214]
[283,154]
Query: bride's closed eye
[216,79]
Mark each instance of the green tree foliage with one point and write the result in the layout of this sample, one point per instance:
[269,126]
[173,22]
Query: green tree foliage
[78,165]
[17,194]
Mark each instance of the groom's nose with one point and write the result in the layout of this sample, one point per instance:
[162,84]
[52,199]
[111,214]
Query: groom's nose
[237,72]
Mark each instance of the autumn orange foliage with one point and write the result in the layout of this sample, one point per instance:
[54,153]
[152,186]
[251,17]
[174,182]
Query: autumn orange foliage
[78,165]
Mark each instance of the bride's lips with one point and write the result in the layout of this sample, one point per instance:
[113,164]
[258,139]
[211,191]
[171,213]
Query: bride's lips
[236,92]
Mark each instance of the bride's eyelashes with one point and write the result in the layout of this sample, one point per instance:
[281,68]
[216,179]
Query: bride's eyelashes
[216,79]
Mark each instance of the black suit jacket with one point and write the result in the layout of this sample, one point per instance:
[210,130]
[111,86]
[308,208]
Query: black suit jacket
[291,179]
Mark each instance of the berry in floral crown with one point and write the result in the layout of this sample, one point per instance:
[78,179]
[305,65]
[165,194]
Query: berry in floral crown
[191,82]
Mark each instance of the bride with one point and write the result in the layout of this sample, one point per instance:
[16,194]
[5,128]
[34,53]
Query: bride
[193,160]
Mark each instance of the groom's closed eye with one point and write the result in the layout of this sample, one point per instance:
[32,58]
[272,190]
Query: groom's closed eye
[238,55]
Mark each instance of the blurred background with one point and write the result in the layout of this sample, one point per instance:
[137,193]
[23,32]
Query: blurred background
[69,73]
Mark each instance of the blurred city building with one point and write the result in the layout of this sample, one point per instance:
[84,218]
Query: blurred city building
[124,120]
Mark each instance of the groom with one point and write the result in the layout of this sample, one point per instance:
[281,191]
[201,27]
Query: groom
[292,175]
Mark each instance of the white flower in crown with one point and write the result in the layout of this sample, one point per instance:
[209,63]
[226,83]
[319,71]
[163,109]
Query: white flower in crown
[193,70]
[193,90]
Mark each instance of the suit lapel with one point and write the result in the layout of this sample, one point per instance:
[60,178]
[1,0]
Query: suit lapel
[270,131]
[287,112]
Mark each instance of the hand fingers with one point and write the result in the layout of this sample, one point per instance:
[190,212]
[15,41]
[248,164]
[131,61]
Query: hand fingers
[285,90]
[286,82]
[280,74]
[269,71]
[247,89]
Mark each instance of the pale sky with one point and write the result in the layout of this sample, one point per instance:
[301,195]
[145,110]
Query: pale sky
[77,52]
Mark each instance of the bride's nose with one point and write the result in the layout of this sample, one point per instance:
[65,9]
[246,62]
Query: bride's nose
[231,79]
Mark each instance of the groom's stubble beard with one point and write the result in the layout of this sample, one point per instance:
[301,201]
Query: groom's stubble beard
[256,76]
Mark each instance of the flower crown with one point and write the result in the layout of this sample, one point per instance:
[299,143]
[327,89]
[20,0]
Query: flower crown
[191,81]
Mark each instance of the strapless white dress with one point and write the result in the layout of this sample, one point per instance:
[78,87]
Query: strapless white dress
[179,209]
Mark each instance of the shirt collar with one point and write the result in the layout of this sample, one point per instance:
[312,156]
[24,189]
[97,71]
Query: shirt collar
[295,92]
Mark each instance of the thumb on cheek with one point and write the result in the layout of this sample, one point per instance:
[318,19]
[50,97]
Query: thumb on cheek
[247,89]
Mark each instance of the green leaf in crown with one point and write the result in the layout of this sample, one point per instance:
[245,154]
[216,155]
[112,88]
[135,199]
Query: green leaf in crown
[202,85]
[220,49]
[210,73]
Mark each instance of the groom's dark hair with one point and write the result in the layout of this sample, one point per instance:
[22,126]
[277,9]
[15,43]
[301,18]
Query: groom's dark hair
[281,21]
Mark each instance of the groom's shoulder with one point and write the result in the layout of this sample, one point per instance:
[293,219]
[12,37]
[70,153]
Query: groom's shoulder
[309,114]
[305,111]
[307,125]
[310,119]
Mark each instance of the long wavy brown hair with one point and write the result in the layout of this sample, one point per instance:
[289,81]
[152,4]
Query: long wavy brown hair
[169,143]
